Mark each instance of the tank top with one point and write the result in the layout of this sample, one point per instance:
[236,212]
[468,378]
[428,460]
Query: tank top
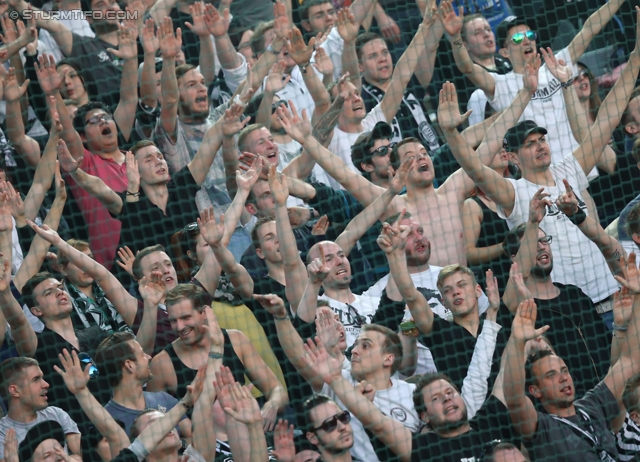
[185,375]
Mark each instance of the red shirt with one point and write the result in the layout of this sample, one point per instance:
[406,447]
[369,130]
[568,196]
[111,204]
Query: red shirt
[104,230]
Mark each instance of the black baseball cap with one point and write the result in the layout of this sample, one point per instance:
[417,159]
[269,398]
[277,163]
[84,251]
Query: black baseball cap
[45,430]
[360,149]
[515,136]
[502,31]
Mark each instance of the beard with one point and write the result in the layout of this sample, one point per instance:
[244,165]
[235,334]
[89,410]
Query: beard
[104,27]
[541,272]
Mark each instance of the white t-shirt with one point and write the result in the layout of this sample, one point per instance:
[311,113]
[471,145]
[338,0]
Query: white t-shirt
[396,402]
[577,260]
[297,91]
[426,282]
[547,107]
[354,315]
[341,142]
[478,104]
[333,46]
[50,413]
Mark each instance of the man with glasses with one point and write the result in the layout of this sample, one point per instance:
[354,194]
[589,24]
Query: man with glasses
[517,42]
[328,428]
[25,390]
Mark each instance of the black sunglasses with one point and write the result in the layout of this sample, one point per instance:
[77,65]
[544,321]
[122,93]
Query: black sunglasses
[383,150]
[86,361]
[331,423]
[275,106]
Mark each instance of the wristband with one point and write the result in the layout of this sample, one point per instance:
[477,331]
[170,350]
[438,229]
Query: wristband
[578,217]
[135,194]
[214,355]
[303,67]
[620,328]
[185,404]
[567,84]
[270,49]
[281,318]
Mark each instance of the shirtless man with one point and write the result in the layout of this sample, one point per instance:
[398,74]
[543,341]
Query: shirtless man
[437,209]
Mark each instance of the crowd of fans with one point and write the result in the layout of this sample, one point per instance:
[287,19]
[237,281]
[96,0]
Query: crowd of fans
[254,231]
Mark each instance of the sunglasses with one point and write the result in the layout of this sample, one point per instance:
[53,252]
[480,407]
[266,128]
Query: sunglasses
[97,118]
[275,106]
[518,37]
[331,423]
[356,318]
[383,150]
[545,240]
[190,227]
[584,74]
[86,361]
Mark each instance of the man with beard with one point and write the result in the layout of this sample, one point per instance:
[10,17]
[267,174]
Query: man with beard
[127,368]
[575,330]
[328,427]
[174,367]
[568,429]
[25,391]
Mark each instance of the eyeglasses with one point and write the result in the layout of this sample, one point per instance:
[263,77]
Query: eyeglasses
[383,150]
[584,74]
[356,318]
[331,423]
[488,448]
[545,240]
[190,227]
[518,37]
[276,105]
[97,118]
[86,361]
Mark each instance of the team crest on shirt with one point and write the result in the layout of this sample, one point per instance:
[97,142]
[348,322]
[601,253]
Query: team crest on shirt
[162,409]
[399,414]
[103,57]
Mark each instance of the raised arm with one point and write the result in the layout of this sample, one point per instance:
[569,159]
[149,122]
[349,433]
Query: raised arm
[59,32]
[317,273]
[125,113]
[170,46]
[294,269]
[26,146]
[392,433]
[274,83]
[206,60]
[521,410]
[150,46]
[611,110]
[348,29]
[592,27]
[453,23]
[372,213]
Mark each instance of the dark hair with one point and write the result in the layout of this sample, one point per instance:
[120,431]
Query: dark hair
[182,242]
[27,290]
[506,446]
[633,221]
[136,268]
[465,21]
[135,431]
[303,10]
[424,381]
[626,115]
[79,120]
[141,144]
[531,360]
[395,158]
[363,39]
[77,244]
[391,345]
[112,353]
[309,405]
[511,244]
[195,294]
[254,232]
[10,370]
[594,97]
[73,64]
[635,151]
[236,32]
[257,39]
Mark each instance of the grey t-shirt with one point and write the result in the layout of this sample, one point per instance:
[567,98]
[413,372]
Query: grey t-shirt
[555,440]
[51,413]
[159,400]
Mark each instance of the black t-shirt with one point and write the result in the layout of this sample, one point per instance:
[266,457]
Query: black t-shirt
[101,70]
[126,455]
[490,423]
[144,224]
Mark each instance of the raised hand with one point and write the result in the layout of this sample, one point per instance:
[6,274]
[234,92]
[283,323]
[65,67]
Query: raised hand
[248,179]
[9,28]
[231,123]
[13,91]
[281,23]
[399,179]
[153,288]
[530,76]
[48,77]
[567,202]
[523,327]
[321,226]
[133,174]
[275,80]
[367,390]
[198,27]
[241,406]
[216,337]
[558,69]
[622,307]
[67,162]
[14,198]
[75,378]
[448,110]
[452,23]
[45,233]
[296,127]
[127,44]
[211,231]
[493,294]
[195,389]
[32,47]
[11,446]
[54,117]
[5,274]
[6,223]
[150,42]
[278,186]
[126,259]
[273,304]
[247,91]
[323,63]
[217,24]
[394,237]
[170,43]
[318,269]
[518,281]
[284,449]
[247,161]
[320,362]
[388,27]
[538,206]
[327,329]
[631,279]
[347,26]
[298,50]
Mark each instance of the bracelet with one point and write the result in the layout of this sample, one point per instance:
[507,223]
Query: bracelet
[567,84]
[270,49]
[281,318]
[578,217]
[214,355]
[135,194]
[185,404]
[620,328]
[303,67]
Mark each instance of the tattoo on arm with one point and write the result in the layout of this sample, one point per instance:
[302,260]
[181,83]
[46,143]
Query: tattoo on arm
[458,43]
[327,122]
[617,256]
